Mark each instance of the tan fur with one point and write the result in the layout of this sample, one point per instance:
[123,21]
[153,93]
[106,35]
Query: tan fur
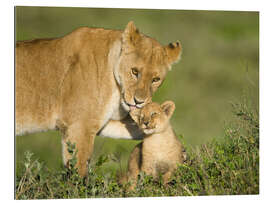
[160,151]
[84,79]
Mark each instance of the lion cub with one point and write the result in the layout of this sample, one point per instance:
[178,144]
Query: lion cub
[160,150]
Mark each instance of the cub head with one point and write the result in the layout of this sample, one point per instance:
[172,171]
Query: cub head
[153,118]
[142,66]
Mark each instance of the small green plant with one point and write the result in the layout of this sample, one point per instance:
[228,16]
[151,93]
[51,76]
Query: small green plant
[226,167]
[230,166]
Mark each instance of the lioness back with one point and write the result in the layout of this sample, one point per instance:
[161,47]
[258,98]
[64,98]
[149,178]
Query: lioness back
[41,66]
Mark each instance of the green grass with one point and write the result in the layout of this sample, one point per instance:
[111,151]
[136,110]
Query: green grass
[46,147]
[229,166]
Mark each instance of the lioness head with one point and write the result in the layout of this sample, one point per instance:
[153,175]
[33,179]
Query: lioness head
[153,118]
[142,67]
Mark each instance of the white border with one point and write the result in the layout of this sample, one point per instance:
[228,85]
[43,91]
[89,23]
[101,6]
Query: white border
[7,83]
[247,5]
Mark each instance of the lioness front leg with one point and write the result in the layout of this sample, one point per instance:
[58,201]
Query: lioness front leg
[83,138]
[124,129]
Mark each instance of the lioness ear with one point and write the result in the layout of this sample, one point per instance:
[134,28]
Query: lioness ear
[130,37]
[174,51]
[168,107]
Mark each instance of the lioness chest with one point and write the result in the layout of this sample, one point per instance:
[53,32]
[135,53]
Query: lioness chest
[114,110]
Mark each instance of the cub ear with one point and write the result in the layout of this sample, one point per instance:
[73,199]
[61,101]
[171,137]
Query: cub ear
[130,37]
[168,107]
[135,115]
[174,51]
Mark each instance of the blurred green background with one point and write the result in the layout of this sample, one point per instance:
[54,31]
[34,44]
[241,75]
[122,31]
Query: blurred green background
[220,63]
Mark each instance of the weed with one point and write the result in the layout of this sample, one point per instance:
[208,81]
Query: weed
[226,167]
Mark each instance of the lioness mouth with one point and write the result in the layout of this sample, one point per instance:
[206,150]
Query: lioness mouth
[132,107]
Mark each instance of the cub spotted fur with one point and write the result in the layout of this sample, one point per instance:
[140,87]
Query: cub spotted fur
[85,80]
[160,151]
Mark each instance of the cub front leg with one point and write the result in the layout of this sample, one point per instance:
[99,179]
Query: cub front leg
[166,177]
[83,137]
[134,165]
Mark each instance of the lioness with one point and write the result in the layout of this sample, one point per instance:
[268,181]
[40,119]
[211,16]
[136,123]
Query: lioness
[85,79]
[160,151]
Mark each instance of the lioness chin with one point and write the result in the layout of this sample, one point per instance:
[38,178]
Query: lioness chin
[86,79]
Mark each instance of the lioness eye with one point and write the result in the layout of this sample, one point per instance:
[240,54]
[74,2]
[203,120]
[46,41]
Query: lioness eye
[135,72]
[153,113]
[156,79]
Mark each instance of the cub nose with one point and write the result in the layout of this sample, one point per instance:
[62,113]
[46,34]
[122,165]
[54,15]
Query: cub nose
[138,101]
[146,123]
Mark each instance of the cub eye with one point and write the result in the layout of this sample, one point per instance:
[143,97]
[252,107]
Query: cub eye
[135,72]
[156,79]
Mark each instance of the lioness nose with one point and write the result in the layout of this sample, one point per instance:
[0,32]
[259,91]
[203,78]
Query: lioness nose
[137,101]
